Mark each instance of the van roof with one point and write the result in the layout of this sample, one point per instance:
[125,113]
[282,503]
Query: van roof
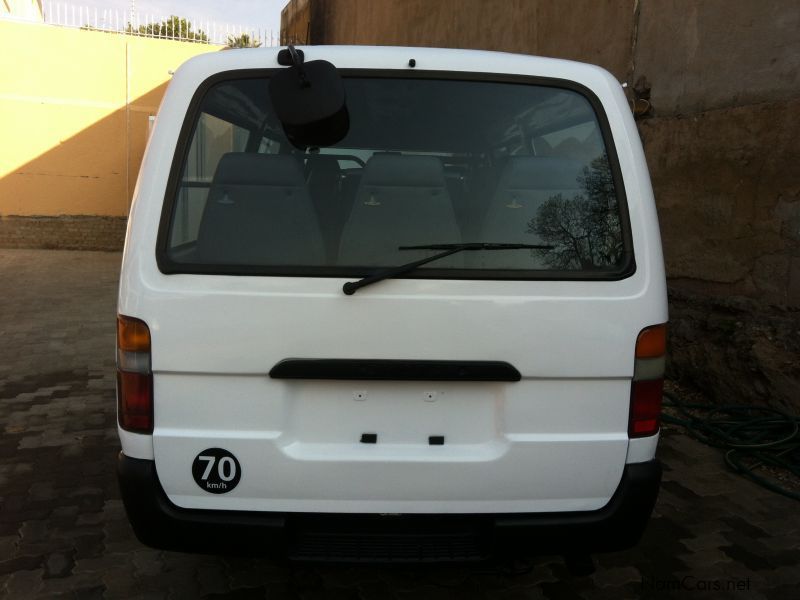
[386,57]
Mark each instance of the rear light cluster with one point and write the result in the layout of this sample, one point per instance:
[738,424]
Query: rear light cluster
[648,382]
[134,376]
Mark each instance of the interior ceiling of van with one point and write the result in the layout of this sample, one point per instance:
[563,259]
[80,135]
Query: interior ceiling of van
[417,114]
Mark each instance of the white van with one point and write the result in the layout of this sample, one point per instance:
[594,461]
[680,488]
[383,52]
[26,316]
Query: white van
[423,322]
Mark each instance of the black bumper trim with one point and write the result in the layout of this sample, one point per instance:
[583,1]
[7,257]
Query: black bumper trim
[157,522]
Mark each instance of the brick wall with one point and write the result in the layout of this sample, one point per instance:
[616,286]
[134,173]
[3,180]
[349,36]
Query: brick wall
[63,232]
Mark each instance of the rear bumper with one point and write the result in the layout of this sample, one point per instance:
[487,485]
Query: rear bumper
[339,537]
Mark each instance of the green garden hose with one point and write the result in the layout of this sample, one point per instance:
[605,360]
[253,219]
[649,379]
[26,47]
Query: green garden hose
[752,436]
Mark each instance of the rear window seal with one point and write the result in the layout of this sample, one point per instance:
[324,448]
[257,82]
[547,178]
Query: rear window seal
[170,267]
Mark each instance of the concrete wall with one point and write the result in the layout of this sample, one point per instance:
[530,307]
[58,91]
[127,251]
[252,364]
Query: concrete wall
[722,142]
[713,54]
[297,17]
[74,109]
[544,27]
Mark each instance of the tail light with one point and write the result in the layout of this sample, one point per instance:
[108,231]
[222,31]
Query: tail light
[134,376]
[648,382]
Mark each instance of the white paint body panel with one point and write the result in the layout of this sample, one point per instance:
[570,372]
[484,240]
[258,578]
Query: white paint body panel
[555,441]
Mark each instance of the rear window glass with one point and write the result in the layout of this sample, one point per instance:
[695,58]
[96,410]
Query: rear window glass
[425,162]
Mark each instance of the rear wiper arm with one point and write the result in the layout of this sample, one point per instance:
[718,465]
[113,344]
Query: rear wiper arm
[350,287]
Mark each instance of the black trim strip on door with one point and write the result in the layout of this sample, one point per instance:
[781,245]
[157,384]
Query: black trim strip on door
[394,370]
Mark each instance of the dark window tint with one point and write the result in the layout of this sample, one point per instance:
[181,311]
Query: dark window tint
[426,161]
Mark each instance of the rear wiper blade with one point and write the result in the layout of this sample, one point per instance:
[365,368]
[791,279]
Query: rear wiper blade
[350,287]
[476,246]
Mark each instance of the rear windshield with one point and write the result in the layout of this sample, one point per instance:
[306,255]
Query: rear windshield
[426,162]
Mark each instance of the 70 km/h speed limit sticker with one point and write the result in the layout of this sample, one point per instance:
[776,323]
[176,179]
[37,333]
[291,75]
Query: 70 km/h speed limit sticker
[216,470]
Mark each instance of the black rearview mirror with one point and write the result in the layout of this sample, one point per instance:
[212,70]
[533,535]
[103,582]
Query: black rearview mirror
[309,100]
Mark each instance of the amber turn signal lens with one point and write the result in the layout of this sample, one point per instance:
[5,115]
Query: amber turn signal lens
[133,335]
[652,342]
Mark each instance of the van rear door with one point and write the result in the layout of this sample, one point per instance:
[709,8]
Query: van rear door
[496,378]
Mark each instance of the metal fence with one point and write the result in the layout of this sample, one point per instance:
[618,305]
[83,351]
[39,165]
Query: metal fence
[184,28]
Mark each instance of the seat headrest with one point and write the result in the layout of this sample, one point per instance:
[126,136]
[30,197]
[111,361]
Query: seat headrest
[241,168]
[542,173]
[396,170]
[326,164]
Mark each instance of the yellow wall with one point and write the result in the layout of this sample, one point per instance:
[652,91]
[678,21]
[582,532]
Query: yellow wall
[74,108]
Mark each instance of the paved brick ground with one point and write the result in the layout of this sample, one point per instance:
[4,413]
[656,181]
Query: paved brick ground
[63,529]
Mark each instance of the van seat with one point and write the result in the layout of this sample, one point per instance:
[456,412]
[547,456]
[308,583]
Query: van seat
[524,185]
[324,180]
[259,212]
[401,200]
